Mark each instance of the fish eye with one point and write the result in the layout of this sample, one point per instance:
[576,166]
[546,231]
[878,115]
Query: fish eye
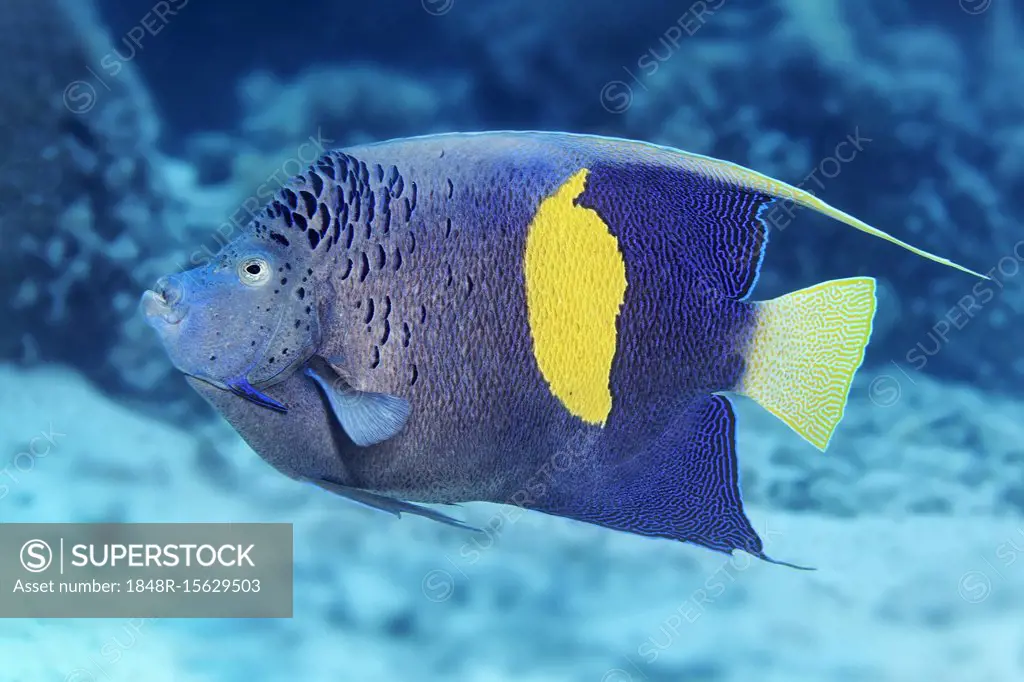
[254,271]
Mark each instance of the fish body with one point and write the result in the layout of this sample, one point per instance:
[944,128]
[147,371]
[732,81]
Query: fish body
[549,320]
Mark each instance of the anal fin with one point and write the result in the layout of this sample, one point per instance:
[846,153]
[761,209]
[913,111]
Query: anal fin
[683,486]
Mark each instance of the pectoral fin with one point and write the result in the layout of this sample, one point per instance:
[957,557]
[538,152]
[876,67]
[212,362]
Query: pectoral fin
[367,418]
[391,505]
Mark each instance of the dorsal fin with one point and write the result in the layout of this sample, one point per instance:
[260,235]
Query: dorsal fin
[729,172]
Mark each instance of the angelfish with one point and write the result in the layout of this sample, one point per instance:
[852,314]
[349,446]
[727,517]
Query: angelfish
[554,321]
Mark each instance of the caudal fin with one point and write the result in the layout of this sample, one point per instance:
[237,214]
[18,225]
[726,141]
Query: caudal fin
[806,347]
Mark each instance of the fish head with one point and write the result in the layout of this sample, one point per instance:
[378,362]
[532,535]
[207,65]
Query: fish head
[244,321]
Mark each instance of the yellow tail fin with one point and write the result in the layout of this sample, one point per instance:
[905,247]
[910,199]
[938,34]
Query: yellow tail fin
[806,347]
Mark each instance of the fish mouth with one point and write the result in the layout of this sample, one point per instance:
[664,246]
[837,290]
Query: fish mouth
[163,302]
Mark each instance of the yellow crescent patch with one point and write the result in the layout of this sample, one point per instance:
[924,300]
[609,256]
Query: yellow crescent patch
[575,285]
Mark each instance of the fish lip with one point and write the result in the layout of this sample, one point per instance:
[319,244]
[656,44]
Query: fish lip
[156,307]
[169,290]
